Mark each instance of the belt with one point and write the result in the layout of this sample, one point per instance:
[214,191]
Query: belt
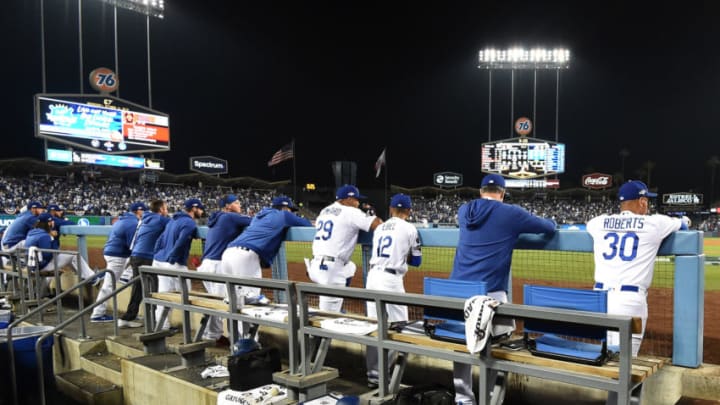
[325,258]
[245,248]
[391,271]
[632,288]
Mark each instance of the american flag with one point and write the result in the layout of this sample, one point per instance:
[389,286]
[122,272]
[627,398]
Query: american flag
[283,154]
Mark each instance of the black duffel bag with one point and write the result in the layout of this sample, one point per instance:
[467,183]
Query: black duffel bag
[253,369]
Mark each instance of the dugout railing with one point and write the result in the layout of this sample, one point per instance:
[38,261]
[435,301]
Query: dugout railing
[685,246]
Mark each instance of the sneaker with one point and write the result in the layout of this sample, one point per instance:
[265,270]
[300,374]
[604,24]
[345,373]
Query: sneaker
[222,342]
[129,324]
[96,279]
[101,318]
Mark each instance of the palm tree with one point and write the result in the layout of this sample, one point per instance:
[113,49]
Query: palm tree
[624,153]
[713,163]
[649,166]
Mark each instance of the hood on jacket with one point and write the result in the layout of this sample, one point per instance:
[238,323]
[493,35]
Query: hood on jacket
[479,211]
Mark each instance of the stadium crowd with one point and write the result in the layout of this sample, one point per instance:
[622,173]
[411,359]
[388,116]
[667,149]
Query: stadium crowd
[110,198]
[98,197]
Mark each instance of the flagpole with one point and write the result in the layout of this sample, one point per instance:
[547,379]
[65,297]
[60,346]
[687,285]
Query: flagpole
[387,202]
[294,176]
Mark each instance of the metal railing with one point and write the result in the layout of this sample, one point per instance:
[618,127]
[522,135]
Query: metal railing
[79,315]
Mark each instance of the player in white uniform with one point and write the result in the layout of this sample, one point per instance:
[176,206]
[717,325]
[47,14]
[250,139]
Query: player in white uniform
[337,231]
[625,246]
[395,245]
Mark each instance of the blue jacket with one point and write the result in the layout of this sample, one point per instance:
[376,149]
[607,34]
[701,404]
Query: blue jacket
[267,231]
[152,226]
[121,235]
[39,238]
[223,227]
[60,222]
[488,232]
[173,246]
[18,230]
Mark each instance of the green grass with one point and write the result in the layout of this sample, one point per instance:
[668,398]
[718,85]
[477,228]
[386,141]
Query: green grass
[569,266]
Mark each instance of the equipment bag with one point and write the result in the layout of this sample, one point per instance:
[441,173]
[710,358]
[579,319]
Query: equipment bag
[253,369]
[435,394]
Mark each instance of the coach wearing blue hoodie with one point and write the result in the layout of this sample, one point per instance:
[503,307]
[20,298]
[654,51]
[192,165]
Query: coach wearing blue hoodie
[223,226]
[489,229]
[173,248]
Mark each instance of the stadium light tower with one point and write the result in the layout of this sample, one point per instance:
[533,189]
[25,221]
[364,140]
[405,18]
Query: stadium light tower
[151,8]
[517,58]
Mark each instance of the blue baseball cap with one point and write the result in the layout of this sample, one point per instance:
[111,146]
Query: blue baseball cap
[493,180]
[348,191]
[45,217]
[228,199]
[137,206]
[193,202]
[55,207]
[400,201]
[283,201]
[634,189]
[35,204]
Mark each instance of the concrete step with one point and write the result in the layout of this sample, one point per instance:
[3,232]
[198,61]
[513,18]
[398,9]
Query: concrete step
[696,401]
[126,347]
[89,389]
[103,364]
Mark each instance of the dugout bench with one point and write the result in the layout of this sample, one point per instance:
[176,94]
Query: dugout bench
[622,377]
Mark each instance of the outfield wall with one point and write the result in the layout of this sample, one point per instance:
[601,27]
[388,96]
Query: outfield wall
[676,300]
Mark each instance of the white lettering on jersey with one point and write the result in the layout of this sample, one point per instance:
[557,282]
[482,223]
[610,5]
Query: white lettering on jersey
[337,229]
[392,242]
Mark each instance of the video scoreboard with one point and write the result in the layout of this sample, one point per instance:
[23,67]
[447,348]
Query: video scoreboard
[101,123]
[523,158]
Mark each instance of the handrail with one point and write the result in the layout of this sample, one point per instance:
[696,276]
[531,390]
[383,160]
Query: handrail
[42,307]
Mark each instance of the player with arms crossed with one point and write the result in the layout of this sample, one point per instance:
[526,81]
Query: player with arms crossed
[625,246]
[337,231]
[395,245]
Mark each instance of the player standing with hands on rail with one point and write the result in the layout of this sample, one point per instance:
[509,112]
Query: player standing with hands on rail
[489,229]
[395,245]
[625,246]
[337,231]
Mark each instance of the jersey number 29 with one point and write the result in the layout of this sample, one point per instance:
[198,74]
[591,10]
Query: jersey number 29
[625,250]
[324,230]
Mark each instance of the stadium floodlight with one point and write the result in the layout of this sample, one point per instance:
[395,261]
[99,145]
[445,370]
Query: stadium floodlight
[521,58]
[152,8]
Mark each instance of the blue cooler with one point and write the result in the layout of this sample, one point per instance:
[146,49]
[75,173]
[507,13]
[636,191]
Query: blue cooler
[6,316]
[24,339]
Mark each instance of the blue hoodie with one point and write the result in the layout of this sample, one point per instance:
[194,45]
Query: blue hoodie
[173,246]
[121,235]
[223,227]
[18,230]
[150,229]
[41,239]
[267,231]
[488,232]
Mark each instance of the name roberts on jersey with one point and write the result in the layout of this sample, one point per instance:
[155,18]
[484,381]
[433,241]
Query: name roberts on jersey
[623,223]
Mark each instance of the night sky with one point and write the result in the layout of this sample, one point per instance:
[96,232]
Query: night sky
[240,79]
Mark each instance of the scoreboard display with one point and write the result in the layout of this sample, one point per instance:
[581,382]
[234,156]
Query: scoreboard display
[523,158]
[100,123]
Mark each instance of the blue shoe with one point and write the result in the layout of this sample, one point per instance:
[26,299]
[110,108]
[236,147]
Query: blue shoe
[96,280]
[102,318]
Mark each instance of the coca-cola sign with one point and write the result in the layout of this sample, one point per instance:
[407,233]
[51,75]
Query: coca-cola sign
[597,180]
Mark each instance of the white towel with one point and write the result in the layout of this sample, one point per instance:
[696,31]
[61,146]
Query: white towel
[479,311]
[32,256]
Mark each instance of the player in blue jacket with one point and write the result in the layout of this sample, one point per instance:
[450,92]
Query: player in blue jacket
[59,220]
[173,248]
[260,242]
[15,234]
[489,229]
[223,226]
[40,237]
[116,253]
[148,231]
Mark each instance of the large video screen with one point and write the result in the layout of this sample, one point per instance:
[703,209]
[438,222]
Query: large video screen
[100,159]
[100,123]
[523,158]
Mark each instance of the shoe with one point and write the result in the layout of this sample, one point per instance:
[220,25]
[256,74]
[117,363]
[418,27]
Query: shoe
[372,384]
[222,342]
[173,330]
[101,318]
[96,280]
[129,324]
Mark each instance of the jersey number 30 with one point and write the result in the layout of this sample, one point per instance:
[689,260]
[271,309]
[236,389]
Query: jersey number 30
[627,250]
